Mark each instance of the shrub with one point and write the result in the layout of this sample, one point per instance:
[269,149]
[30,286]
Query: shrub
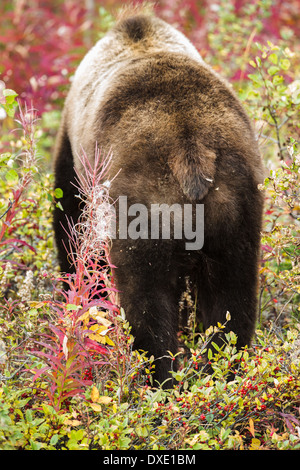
[69,376]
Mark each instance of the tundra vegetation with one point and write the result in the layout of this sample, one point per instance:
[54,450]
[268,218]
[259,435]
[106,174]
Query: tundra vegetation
[69,378]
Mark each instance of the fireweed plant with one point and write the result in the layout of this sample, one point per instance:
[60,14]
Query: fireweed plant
[86,342]
[69,378]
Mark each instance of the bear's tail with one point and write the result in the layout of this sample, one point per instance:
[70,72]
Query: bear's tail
[194,168]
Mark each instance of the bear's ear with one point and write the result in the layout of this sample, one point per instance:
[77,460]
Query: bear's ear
[195,170]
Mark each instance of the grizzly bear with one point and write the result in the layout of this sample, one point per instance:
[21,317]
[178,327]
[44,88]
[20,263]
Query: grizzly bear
[179,137]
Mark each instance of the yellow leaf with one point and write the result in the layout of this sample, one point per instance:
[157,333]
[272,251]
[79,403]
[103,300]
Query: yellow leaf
[258,404]
[97,338]
[94,327]
[209,331]
[96,406]
[109,341]
[84,318]
[72,422]
[99,316]
[99,329]
[36,304]
[255,444]
[251,427]
[104,321]
[104,400]
[94,394]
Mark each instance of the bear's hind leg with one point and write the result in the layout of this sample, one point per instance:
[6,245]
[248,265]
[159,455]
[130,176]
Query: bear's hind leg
[64,177]
[149,294]
[229,284]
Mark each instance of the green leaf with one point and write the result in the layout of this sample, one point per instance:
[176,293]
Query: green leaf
[35,445]
[142,431]
[58,193]
[258,61]
[73,307]
[277,79]
[123,442]
[8,92]
[54,439]
[9,95]
[273,58]
[255,79]
[59,206]
[285,64]
[273,69]
[215,346]
[272,46]
[28,415]
[5,156]
[10,109]
[12,176]
[224,433]
[252,95]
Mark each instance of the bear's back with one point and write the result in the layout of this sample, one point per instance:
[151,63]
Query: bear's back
[144,92]
[131,40]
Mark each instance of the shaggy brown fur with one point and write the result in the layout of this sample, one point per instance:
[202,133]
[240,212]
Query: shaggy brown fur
[178,135]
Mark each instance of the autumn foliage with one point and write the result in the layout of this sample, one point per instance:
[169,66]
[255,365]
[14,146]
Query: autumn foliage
[69,377]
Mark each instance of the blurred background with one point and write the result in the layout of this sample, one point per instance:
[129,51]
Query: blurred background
[42,41]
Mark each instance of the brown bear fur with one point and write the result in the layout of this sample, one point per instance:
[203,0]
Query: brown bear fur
[179,135]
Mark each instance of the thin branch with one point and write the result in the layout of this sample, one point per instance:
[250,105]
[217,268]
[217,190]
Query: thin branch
[7,210]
